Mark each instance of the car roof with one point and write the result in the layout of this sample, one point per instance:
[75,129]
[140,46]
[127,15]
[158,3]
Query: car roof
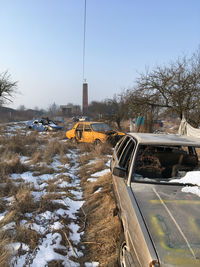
[165,139]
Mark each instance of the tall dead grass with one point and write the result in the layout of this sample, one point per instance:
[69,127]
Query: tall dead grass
[21,143]
[101,229]
[54,148]
[13,165]
[4,251]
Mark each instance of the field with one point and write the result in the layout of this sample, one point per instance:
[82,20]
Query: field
[56,203]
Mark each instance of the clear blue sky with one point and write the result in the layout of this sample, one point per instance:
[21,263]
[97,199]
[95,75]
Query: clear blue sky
[42,44]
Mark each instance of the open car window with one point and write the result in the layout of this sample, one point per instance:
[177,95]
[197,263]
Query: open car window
[165,163]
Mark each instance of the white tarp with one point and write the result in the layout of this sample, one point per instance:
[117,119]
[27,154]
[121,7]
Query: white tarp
[186,129]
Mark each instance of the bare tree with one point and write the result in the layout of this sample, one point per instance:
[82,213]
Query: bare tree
[53,109]
[176,87]
[118,108]
[7,88]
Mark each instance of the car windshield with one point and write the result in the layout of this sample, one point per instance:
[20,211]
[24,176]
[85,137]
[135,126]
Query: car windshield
[174,164]
[101,127]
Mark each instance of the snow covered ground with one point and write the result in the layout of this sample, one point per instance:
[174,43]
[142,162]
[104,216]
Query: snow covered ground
[58,229]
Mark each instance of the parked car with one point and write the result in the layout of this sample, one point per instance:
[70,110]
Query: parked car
[155,180]
[80,118]
[44,124]
[97,132]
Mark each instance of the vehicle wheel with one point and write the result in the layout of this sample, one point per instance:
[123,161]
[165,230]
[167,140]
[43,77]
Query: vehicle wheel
[122,252]
[74,141]
[97,142]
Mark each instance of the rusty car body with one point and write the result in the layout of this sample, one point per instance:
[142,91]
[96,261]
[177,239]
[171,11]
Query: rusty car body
[160,217]
[93,132]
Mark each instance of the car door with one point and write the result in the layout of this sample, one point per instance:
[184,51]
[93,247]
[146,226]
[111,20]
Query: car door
[79,132]
[123,196]
[87,135]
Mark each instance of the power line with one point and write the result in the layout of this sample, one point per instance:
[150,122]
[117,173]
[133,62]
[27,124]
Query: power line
[84,33]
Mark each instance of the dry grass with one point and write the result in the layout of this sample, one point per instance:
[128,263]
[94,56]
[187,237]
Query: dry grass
[101,229]
[41,149]
[8,188]
[27,236]
[4,252]
[36,157]
[21,143]
[24,201]
[14,165]
[53,148]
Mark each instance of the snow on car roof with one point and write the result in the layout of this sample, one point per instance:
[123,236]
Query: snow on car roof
[165,139]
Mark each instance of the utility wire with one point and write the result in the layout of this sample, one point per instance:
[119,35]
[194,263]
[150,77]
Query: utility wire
[84,32]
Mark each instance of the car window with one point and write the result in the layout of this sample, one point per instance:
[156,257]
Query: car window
[118,144]
[122,145]
[164,163]
[80,127]
[87,128]
[126,155]
[101,127]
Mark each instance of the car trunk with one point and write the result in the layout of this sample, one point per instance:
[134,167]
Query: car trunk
[173,221]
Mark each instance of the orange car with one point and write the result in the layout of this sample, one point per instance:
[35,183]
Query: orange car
[93,132]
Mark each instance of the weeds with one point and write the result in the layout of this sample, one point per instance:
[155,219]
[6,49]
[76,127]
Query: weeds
[23,207]
[4,251]
[53,148]
[27,236]
[14,165]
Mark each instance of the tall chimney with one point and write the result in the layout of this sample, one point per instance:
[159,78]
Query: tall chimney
[85,99]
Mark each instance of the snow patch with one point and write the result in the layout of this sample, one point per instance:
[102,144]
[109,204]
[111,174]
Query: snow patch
[192,177]
[92,179]
[191,189]
[100,173]
[92,264]
[98,190]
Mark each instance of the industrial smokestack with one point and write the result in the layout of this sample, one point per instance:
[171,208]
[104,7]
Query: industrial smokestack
[85,98]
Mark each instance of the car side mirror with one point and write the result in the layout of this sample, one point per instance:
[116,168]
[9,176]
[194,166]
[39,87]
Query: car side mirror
[120,172]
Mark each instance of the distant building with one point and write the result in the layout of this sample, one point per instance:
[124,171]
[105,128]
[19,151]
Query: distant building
[70,110]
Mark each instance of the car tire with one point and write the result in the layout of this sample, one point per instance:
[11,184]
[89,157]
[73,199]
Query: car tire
[97,142]
[122,252]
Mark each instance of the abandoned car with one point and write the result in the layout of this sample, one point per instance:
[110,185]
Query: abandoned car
[44,124]
[97,132]
[155,184]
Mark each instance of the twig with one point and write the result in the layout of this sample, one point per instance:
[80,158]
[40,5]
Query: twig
[70,244]
[84,221]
